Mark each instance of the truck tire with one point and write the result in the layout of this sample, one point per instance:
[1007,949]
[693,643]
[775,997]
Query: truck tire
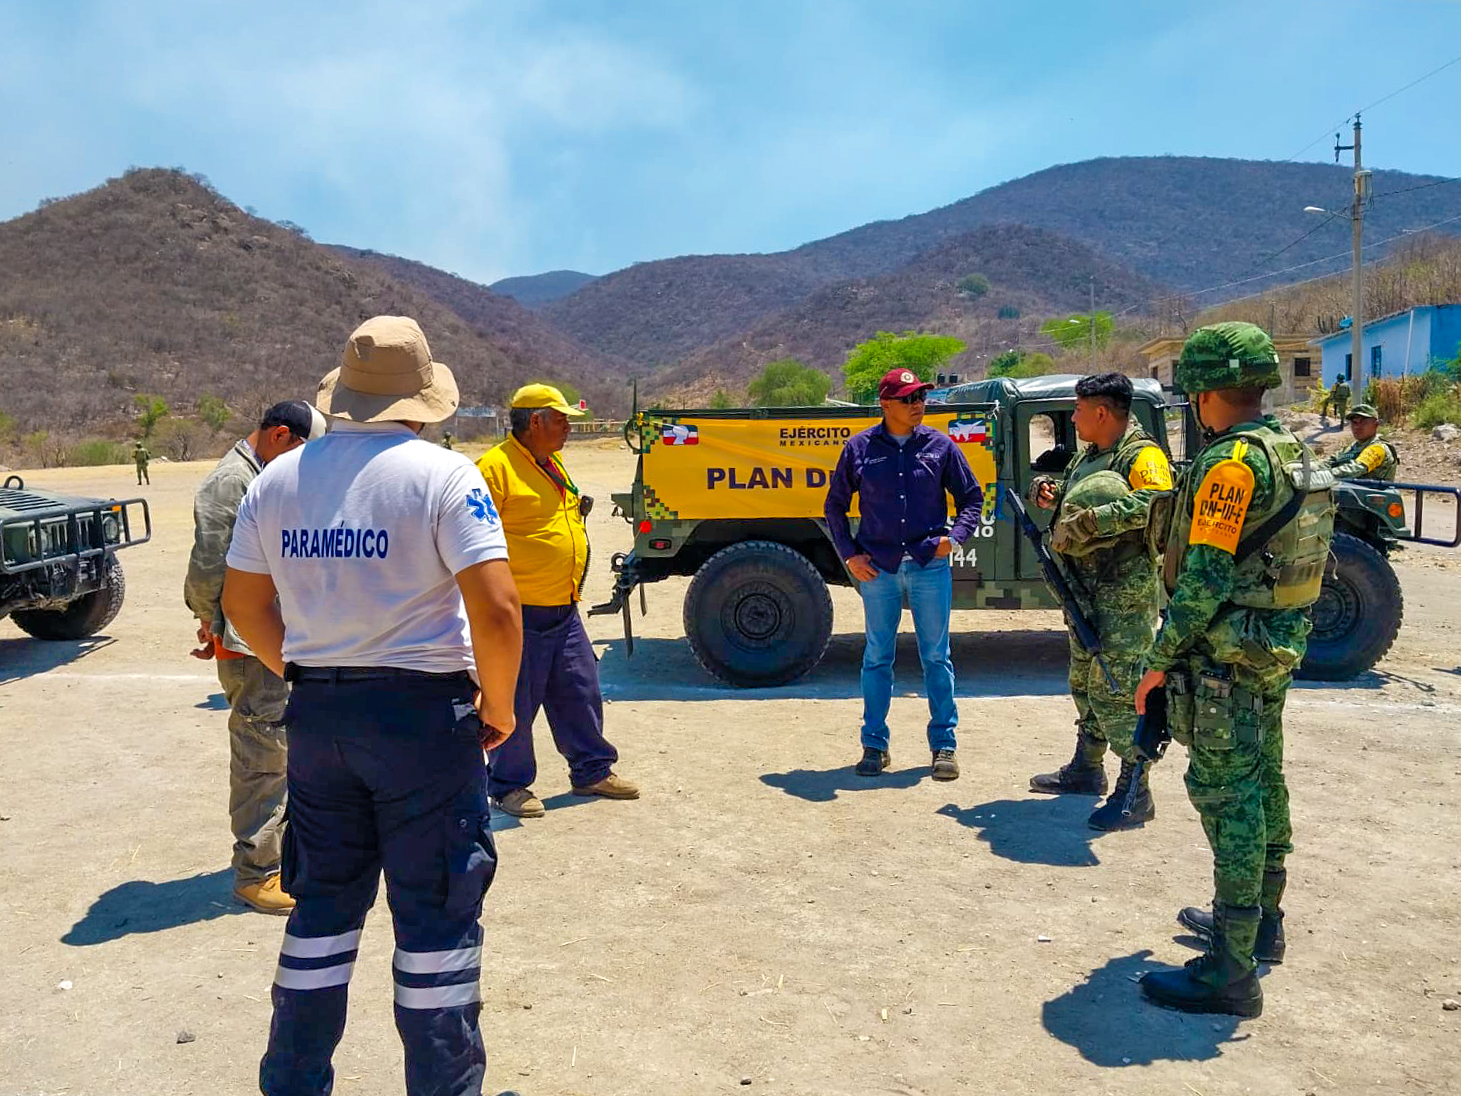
[83,617]
[758,614]
[1358,613]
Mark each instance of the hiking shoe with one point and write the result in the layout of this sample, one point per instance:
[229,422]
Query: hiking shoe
[945,765]
[610,787]
[873,761]
[520,803]
[266,896]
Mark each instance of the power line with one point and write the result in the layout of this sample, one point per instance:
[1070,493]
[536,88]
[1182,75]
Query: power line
[1372,106]
[1421,186]
[1294,243]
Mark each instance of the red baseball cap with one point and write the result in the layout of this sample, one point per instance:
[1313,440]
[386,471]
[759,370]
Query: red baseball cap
[897,383]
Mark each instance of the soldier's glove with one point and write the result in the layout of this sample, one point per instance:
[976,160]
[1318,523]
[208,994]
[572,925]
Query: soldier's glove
[1074,532]
[1152,735]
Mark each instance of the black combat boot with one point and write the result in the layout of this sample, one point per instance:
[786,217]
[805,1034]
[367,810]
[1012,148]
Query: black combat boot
[1270,945]
[1111,815]
[1225,980]
[1083,776]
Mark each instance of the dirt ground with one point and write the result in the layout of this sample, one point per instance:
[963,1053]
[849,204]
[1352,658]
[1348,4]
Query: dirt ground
[761,917]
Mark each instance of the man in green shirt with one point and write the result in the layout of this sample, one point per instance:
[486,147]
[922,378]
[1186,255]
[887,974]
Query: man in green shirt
[1368,457]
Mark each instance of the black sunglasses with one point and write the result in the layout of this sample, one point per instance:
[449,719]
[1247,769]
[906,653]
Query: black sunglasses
[912,398]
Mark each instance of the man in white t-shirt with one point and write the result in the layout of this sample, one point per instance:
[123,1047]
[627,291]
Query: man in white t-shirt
[389,565]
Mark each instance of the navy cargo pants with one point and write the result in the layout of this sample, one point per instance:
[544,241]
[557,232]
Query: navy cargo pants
[385,773]
[560,675]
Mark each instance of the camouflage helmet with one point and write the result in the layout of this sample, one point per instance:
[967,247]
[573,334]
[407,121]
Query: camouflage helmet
[1073,533]
[1097,489]
[1227,355]
[1363,411]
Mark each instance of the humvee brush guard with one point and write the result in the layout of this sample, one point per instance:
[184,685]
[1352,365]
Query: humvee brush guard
[734,499]
[59,575]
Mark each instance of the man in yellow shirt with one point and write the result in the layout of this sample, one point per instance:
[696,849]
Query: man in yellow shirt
[547,548]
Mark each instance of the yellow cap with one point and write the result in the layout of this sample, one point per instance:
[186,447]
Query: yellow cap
[544,395]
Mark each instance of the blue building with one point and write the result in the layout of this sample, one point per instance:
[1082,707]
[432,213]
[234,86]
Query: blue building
[1394,345]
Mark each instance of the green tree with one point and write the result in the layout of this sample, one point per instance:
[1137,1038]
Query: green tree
[921,355]
[721,401]
[1009,312]
[213,411]
[1074,331]
[7,428]
[973,285]
[150,411]
[789,383]
[1020,363]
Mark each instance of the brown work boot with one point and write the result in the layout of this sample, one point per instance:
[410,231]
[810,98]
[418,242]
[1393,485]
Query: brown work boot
[610,787]
[520,803]
[266,896]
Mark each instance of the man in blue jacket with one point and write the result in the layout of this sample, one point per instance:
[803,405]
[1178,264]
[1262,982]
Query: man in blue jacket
[903,473]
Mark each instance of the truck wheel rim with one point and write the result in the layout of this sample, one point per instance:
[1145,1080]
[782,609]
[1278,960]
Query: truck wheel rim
[1337,611]
[758,616]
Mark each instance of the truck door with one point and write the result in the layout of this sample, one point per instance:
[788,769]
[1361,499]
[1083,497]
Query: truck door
[1043,441]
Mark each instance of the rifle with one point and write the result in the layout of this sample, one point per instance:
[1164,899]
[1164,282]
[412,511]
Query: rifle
[1149,742]
[1055,578]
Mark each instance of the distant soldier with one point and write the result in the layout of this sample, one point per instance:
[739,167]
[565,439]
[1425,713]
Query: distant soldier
[448,441]
[1246,548]
[1099,532]
[1338,396]
[1369,457]
[140,457]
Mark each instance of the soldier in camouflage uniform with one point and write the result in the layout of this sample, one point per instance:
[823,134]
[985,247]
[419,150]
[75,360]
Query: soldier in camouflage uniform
[1248,533]
[1099,532]
[140,457]
[256,697]
[1369,457]
[1338,396]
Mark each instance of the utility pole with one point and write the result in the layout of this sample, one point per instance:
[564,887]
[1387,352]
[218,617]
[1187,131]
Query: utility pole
[1357,217]
[1093,322]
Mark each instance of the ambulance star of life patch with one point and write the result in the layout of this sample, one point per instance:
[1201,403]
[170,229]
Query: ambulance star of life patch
[674,434]
[479,502]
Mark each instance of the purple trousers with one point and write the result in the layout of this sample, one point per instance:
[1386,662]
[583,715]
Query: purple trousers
[560,675]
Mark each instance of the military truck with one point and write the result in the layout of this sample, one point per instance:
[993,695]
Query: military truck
[59,574]
[733,499]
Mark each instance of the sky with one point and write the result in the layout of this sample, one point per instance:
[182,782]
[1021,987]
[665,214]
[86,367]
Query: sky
[499,137]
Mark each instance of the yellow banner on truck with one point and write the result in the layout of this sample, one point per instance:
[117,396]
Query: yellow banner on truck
[700,466]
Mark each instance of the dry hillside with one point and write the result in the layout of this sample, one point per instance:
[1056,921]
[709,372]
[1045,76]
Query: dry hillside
[156,283]
[1035,272]
[1186,222]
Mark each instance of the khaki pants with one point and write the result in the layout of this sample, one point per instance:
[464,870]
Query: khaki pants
[256,765]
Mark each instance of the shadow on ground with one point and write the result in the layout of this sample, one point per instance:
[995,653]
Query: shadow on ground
[989,664]
[1049,829]
[1370,680]
[26,657]
[824,785]
[141,906]
[1111,1024]
[215,702]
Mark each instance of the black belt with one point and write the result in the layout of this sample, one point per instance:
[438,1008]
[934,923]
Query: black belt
[335,674]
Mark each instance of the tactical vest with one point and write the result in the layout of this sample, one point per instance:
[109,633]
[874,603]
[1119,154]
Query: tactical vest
[1287,569]
[1386,471]
[1119,459]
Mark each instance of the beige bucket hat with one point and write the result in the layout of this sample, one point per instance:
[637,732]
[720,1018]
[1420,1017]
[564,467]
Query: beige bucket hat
[388,375]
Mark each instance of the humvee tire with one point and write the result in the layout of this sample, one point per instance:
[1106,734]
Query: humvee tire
[1358,613]
[83,617]
[757,614]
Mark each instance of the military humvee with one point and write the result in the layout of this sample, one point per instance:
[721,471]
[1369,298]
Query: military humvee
[59,575]
[734,499]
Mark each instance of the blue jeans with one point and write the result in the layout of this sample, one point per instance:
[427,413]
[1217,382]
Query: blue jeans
[930,593]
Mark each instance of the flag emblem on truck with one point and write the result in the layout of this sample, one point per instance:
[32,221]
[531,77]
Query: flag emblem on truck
[970,431]
[674,434]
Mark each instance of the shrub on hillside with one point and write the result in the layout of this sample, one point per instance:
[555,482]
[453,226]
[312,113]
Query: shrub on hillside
[98,451]
[789,383]
[973,285]
[1437,408]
